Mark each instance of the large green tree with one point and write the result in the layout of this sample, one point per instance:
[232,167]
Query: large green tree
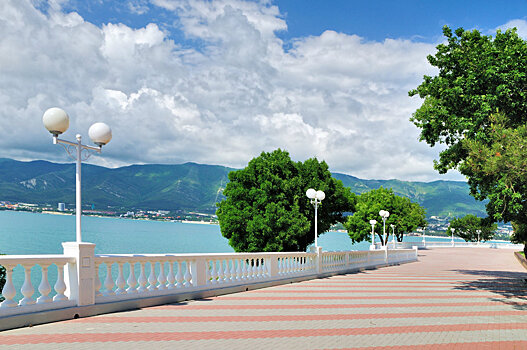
[497,170]
[266,208]
[404,214]
[468,227]
[477,76]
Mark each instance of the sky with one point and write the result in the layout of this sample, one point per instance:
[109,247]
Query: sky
[218,82]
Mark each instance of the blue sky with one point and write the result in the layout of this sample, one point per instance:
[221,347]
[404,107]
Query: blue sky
[218,82]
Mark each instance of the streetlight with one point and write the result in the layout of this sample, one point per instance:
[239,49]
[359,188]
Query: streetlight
[452,230]
[373,223]
[384,214]
[316,199]
[393,234]
[57,121]
[478,231]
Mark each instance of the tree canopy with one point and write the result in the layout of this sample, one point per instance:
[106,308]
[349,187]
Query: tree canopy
[497,170]
[477,76]
[477,107]
[404,214]
[266,208]
[467,228]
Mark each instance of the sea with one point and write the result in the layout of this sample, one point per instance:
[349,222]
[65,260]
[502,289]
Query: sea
[36,233]
[26,233]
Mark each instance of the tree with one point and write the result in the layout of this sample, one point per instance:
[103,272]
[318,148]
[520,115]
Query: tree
[266,208]
[2,281]
[497,170]
[478,76]
[467,227]
[405,215]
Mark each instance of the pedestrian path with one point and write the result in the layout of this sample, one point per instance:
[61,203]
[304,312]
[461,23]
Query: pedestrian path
[464,298]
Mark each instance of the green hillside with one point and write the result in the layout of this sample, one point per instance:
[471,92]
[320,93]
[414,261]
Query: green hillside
[188,187]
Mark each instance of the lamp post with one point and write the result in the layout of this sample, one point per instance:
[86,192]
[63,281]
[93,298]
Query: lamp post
[57,121]
[373,223]
[316,199]
[384,215]
[452,230]
[393,234]
[478,232]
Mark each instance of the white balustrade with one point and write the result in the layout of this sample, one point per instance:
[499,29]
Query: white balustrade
[29,302]
[127,276]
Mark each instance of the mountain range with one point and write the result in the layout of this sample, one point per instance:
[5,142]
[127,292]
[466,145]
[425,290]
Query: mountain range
[187,187]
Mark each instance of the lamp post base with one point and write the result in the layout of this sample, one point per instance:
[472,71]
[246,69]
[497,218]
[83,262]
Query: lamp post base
[372,247]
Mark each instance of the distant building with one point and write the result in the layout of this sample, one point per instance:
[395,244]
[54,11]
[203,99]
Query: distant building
[62,207]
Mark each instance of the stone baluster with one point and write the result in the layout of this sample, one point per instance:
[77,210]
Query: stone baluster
[171,278]
[108,281]
[97,284]
[60,285]
[213,273]
[44,288]
[162,278]
[225,271]
[152,280]
[9,291]
[244,269]
[232,273]
[187,276]
[221,275]
[238,269]
[142,281]
[120,282]
[179,276]
[131,281]
[27,289]
[249,273]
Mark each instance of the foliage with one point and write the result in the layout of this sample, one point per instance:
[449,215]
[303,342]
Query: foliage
[477,76]
[404,214]
[266,208]
[467,228]
[497,170]
[2,281]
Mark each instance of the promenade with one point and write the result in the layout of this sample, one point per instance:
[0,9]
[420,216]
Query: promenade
[452,298]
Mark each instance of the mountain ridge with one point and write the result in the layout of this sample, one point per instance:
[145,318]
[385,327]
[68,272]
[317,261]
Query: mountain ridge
[188,187]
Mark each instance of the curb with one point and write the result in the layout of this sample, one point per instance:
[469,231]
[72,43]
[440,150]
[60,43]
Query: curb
[521,259]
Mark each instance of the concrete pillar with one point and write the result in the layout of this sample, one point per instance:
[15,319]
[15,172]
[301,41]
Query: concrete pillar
[80,276]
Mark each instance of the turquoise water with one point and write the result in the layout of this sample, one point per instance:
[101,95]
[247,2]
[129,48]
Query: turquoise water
[35,233]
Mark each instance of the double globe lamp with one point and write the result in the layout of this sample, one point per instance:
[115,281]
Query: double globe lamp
[316,198]
[57,122]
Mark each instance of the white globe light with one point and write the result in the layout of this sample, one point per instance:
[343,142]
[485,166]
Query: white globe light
[321,195]
[100,133]
[56,120]
[386,213]
[381,213]
[373,222]
[311,193]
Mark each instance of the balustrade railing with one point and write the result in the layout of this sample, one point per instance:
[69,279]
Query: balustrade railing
[83,278]
[28,302]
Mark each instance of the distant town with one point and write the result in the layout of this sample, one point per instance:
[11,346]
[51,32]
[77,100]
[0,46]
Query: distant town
[437,226]
[138,214]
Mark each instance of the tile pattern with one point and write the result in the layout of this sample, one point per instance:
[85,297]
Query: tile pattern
[450,299]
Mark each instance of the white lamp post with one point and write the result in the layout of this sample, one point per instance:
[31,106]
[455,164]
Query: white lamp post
[316,199]
[478,232]
[452,230]
[384,215]
[393,234]
[57,121]
[373,223]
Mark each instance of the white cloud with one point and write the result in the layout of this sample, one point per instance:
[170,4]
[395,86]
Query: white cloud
[519,24]
[334,96]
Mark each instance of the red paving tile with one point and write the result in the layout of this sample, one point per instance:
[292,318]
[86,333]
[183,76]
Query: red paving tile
[482,287]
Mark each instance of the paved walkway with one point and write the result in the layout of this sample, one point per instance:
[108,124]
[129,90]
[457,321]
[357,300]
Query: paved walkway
[450,299]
